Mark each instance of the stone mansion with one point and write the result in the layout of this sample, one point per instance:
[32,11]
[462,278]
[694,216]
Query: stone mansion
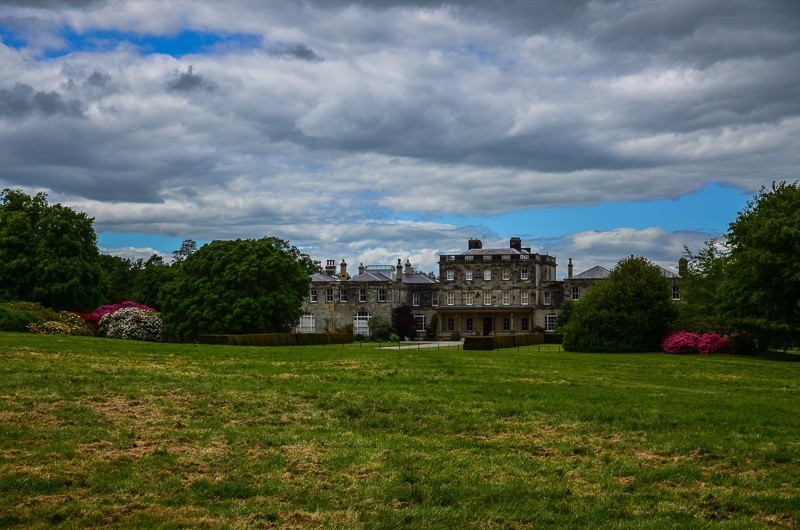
[479,291]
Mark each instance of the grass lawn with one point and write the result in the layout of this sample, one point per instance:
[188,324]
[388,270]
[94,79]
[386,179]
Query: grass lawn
[100,432]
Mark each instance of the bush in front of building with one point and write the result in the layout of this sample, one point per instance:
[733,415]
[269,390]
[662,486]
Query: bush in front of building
[493,342]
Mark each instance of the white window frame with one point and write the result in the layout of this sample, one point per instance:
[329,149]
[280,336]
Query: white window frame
[470,298]
[676,292]
[523,273]
[487,274]
[468,275]
[415,299]
[451,298]
[506,298]
[435,298]
[487,297]
[450,275]
[524,297]
[307,323]
[328,296]
[550,322]
[506,274]
[361,323]
[382,295]
[362,296]
[419,323]
[343,295]
[312,296]
[548,298]
[574,292]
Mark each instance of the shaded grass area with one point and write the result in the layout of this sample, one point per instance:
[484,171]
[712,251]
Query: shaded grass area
[101,432]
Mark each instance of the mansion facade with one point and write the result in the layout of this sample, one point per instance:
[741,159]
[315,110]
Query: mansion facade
[479,292]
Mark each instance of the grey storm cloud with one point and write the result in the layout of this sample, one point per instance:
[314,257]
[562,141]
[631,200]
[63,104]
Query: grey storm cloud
[346,113]
[23,100]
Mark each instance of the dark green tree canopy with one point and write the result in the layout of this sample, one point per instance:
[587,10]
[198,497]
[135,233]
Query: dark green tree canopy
[403,321]
[240,286]
[760,293]
[48,253]
[630,311]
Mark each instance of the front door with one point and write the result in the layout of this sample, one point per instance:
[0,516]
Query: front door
[487,326]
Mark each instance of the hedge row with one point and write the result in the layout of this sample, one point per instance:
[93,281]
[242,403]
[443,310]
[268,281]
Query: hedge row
[493,342]
[277,339]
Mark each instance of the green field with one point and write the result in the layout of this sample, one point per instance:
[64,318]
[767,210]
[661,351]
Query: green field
[98,432]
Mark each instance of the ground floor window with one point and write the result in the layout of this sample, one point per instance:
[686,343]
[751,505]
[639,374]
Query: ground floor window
[506,324]
[361,323]
[419,322]
[469,326]
[451,324]
[524,323]
[307,324]
[550,322]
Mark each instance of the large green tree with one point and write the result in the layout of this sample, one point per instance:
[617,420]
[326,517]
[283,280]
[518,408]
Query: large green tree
[760,293]
[150,279]
[239,286]
[629,311]
[48,253]
[700,282]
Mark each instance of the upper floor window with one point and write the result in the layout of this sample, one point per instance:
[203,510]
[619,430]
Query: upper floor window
[329,295]
[574,293]
[451,298]
[487,297]
[676,292]
[381,295]
[470,298]
[506,298]
[343,295]
[468,275]
[487,274]
[415,299]
[523,274]
[524,297]
[450,275]
[434,298]
[362,295]
[548,298]
[312,296]
[506,274]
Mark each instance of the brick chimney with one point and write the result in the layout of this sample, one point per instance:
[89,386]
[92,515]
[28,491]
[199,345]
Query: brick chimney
[408,267]
[330,267]
[361,268]
[516,244]
[569,268]
[399,276]
[343,271]
[474,244]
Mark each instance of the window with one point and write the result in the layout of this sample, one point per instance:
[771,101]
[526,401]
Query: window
[574,293]
[468,258]
[451,298]
[550,322]
[468,275]
[523,297]
[469,326]
[419,322]
[676,292]
[487,297]
[451,324]
[487,257]
[381,295]
[329,296]
[361,323]
[312,296]
[487,274]
[548,298]
[470,298]
[506,324]
[506,274]
[307,323]
[506,257]
[451,275]
[506,298]
[434,299]
[362,295]
[523,274]
[525,324]
[343,295]
[415,299]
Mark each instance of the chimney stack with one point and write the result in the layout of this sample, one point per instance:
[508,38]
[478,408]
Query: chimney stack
[343,271]
[361,268]
[399,267]
[569,268]
[683,267]
[475,244]
[330,267]
[408,267]
[516,244]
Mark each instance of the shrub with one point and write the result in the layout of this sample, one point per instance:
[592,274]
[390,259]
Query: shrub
[454,336]
[680,342]
[713,343]
[76,323]
[103,310]
[16,319]
[380,329]
[43,314]
[132,323]
[50,328]
[742,344]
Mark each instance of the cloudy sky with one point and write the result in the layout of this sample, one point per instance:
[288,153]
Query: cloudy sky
[387,129]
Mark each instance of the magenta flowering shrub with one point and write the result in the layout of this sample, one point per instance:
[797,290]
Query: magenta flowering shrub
[713,343]
[680,342]
[103,310]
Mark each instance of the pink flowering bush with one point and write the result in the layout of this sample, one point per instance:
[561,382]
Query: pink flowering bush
[103,310]
[680,342]
[132,323]
[713,343]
